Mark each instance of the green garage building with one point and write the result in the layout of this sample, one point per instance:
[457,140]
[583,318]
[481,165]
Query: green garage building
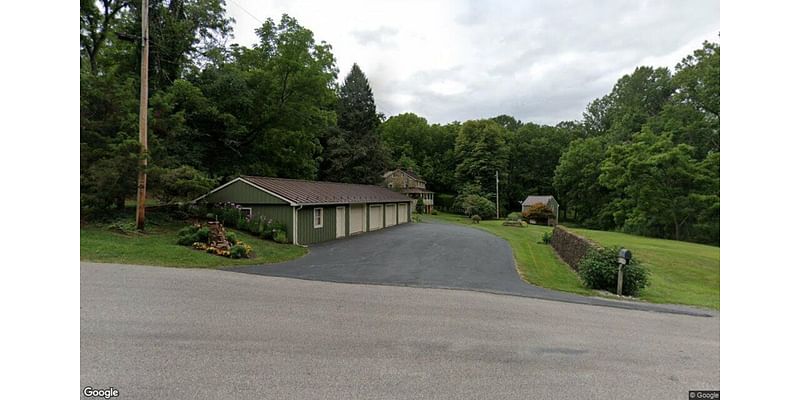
[312,211]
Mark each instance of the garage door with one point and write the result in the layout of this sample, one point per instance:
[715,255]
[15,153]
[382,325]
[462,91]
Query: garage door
[402,213]
[356,218]
[375,217]
[391,214]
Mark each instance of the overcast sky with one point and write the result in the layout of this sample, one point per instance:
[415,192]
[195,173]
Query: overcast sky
[539,61]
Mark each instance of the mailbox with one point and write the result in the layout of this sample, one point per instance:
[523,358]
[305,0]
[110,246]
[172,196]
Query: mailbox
[624,256]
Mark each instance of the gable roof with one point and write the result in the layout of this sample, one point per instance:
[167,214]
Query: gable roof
[531,200]
[297,191]
[410,174]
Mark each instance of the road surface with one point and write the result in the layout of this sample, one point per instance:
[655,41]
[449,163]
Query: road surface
[154,332]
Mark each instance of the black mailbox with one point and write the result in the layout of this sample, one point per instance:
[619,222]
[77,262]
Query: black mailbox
[624,256]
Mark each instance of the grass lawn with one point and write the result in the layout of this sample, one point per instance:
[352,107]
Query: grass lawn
[537,263]
[681,272]
[158,247]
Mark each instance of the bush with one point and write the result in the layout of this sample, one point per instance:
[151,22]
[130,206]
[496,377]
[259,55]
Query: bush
[280,236]
[539,213]
[598,270]
[189,235]
[420,206]
[547,237]
[476,219]
[477,205]
[202,234]
[238,251]
[230,237]
[434,212]
[514,216]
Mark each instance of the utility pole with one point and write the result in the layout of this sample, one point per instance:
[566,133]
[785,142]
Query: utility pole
[141,192]
[497,192]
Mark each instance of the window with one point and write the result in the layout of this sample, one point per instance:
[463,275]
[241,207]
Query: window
[247,212]
[318,218]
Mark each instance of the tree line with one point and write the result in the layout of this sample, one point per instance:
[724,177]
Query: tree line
[644,158]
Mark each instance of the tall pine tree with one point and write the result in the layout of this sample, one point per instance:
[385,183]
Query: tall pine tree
[354,152]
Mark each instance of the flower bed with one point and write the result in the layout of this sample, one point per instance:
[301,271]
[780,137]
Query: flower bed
[214,240]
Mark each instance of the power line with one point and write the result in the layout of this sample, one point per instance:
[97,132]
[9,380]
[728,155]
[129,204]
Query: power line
[259,20]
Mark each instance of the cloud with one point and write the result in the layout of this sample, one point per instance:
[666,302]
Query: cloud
[381,37]
[540,61]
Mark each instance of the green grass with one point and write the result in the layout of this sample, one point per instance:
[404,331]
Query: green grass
[537,263]
[158,247]
[681,272]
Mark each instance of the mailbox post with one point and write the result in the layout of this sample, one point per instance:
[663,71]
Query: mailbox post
[623,258]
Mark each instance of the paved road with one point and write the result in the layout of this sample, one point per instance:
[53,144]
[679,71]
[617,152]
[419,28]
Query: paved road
[431,255]
[156,332]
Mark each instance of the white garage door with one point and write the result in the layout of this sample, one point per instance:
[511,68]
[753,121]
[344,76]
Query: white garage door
[356,218]
[375,217]
[391,214]
[402,213]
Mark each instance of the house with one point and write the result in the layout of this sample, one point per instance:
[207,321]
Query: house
[313,211]
[409,184]
[549,202]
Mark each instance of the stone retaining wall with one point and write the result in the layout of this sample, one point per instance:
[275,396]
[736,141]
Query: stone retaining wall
[571,247]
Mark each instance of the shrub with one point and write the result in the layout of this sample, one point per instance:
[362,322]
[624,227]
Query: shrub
[280,236]
[598,270]
[477,205]
[514,216]
[434,212]
[476,219]
[538,212]
[188,230]
[202,234]
[546,237]
[420,206]
[238,251]
[230,237]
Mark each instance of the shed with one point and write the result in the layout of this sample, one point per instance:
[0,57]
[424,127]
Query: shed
[549,201]
[315,211]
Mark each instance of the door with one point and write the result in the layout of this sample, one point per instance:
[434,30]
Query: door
[391,214]
[356,218]
[341,223]
[375,217]
[402,213]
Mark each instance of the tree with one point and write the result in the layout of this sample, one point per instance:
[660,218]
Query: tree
[477,205]
[355,153]
[481,149]
[406,136]
[664,187]
[539,213]
[576,181]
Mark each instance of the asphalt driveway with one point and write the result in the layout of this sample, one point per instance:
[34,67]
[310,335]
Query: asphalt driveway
[431,255]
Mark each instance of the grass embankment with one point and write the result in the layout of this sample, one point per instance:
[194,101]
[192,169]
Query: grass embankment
[681,272]
[158,247]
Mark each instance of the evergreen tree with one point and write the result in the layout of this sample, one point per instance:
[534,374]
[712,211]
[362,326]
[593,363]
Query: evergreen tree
[354,152]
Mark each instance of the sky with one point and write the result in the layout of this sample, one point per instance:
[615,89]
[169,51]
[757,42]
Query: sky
[539,61]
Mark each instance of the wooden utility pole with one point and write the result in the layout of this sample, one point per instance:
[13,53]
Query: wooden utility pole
[141,193]
[497,192]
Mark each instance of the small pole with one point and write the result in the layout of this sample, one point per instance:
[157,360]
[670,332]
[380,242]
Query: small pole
[497,192]
[141,191]
[619,279]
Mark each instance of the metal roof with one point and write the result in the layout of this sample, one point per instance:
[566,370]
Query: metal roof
[531,200]
[299,191]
